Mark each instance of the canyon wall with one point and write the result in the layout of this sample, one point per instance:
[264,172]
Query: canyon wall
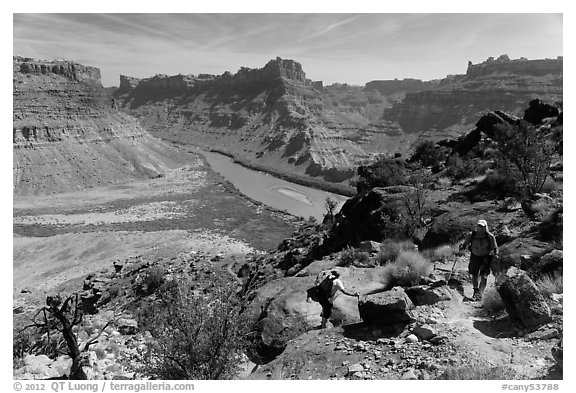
[67,135]
[273,116]
[460,100]
[277,118]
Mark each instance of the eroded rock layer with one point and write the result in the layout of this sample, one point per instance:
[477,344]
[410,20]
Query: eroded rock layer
[67,135]
[276,118]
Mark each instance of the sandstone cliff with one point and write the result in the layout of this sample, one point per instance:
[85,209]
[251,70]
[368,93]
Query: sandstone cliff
[273,116]
[504,84]
[68,136]
[277,119]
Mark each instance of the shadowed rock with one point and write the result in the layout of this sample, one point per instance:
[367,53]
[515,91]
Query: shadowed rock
[386,308]
[523,302]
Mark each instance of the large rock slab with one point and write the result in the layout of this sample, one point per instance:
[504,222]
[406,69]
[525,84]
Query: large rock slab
[456,220]
[523,302]
[523,253]
[281,313]
[386,308]
[425,294]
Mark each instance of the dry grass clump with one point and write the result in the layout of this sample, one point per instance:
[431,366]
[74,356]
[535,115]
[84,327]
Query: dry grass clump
[491,300]
[407,269]
[351,256]
[390,250]
[441,253]
[549,284]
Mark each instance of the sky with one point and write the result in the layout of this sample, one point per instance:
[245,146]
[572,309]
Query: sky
[344,48]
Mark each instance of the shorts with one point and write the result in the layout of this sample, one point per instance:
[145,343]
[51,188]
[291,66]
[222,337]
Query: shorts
[327,307]
[479,265]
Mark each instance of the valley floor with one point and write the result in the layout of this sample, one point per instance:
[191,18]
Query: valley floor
[60,239]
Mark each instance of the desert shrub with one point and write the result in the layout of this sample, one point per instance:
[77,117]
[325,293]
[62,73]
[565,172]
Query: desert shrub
[383,173]
[390,250]
[550,186]
[402,219]
[479,372]
[194,336]
[459,168]
[440,253]
[330,206]
[415,206]
[34,341]
[427,154]
[526,152]
[351,256]
[407,269]
[491,300]
[443,182]
[150,281]
[549,284]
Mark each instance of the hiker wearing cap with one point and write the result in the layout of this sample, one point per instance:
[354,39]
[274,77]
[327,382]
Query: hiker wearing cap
[483,248]
[328,285]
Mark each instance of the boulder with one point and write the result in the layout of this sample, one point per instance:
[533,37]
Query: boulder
[386,308]
[558,353]
[523,252]
[361,217]
[489,123]
[539,111]
[357,367]
[39,366]
[456,220]
[424,332]
[281,313]
[543,334]
[467,142]
[370,246]
[412,338]
[549,263]
[426,294]
[127,326]
[437,340]
[523,302]
[552,227]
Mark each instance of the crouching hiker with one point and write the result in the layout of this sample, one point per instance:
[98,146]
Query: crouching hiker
[483,249]
[325,291]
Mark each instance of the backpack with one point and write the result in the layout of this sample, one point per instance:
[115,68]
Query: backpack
[482,245]
[322,290]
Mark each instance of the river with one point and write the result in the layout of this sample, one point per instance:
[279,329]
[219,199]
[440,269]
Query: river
[277,193]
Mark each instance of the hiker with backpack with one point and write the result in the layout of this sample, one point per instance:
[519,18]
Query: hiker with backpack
[483,249]
[325,291]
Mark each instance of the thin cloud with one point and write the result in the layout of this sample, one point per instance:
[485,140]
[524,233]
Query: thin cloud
[330,27]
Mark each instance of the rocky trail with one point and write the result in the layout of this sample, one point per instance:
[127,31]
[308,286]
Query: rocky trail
[451,334]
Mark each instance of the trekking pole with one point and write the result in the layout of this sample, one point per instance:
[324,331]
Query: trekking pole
[453,267]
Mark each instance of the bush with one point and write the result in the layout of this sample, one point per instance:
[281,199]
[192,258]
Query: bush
[427,154]
[459,168]
[194,336]
[383,173]
[33,341]
[441,253]
[351,256]
[407,269]
[390,250]
[150,281]
[525,151]
[549,284]
[491,300]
